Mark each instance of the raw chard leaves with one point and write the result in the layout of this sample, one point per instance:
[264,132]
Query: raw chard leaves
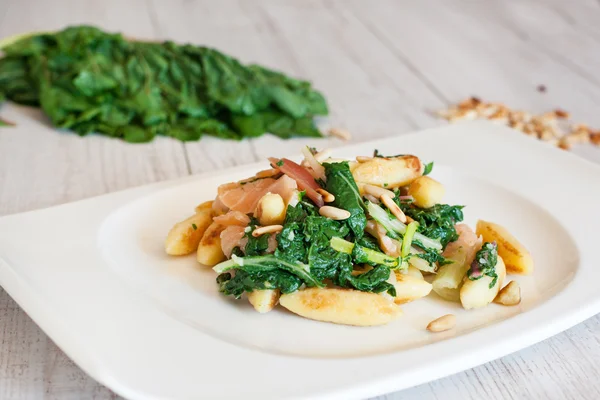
[87,80]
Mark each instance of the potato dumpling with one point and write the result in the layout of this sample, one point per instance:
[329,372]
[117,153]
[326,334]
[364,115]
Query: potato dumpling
[263,301]
[209,250]
[411,271]
[388,172]
[270,210]
[185,236]
[450,277]
[477,294]
[410,288]
[426,191]
[204,206]
[341,306]
[515,255]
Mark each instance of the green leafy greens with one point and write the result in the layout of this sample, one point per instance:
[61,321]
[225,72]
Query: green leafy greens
[411,229]
[484,263]
[396,229]
[341,184]
[377,154]
[256,246]
[363,255]
[428,168]
[436,222]
[263,272]
[87,80]
[304,255]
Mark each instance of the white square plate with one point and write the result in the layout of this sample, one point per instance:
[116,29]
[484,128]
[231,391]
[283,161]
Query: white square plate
[94,276]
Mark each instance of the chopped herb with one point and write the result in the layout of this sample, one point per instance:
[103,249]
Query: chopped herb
[428,168]
[484,263]
[279,163]
[194,226]
[377,154]
[431,255]
[385,185]
[251,180]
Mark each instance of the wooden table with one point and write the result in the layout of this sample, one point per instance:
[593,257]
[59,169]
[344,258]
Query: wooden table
[384,66]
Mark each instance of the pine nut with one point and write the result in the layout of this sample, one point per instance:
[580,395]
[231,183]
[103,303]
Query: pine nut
[442,323]
[547,127]
[327,197]
[393,207]
[267,173]
[371,198]
[362,159]
[266,229]
[323,155]
[340,133]
[509,295]
[378,191]
[334,213]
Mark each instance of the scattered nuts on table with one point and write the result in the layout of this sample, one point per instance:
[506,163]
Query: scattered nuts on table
[552,127]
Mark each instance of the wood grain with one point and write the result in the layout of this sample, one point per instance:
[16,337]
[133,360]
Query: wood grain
[384,66]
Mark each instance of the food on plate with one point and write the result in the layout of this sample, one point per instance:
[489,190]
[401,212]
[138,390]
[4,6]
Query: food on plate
[341,306]
[209,250]
[442,324]
[388,172]
[264,300]
[485,278]
[270,209]
[185,236]
[410,288]
[87,80]
[346,242]
[509,295]
[515,255]
[426,191]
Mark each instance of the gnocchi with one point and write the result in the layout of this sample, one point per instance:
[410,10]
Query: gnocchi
[185,236]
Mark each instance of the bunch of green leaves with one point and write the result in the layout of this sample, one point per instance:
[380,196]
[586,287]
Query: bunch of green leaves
[87,80]
[484,263]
